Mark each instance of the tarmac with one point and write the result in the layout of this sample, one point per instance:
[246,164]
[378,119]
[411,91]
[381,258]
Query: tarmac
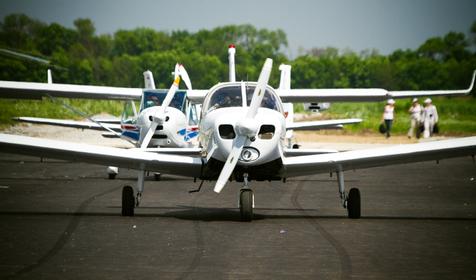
[61,220]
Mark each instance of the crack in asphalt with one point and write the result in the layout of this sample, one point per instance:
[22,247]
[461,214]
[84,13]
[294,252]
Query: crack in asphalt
[346,264]
[65,236]
[199,243]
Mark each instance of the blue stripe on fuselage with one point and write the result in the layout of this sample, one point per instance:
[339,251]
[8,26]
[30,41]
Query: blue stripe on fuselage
[134,135]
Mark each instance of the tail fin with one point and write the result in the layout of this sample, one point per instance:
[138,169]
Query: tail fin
[285,80]
[285,83]
[50,79]
[149,80]
[231,62]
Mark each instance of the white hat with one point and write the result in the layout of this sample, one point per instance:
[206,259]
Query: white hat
[391,101]
[415,100]
[428,100]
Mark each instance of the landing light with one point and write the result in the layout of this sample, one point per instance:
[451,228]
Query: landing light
[249,154]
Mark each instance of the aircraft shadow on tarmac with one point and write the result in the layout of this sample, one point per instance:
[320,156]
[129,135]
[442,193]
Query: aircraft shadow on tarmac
[208,214]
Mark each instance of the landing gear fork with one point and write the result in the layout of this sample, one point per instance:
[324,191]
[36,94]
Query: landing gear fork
[246,201]
[352,201]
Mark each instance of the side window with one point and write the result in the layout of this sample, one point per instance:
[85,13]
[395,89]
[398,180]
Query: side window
[129,115]
[193,115]
[178,101]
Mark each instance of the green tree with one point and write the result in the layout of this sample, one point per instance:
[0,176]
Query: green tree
[53,37]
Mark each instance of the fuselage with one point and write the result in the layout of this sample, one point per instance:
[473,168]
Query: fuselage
[227,104]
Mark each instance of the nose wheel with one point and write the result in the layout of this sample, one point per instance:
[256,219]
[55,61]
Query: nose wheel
[246,201]
[246,205]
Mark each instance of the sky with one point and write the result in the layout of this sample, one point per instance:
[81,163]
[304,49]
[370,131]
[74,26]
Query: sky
[384,25]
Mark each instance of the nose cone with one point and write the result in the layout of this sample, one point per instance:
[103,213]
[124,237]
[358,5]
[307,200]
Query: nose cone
[263,133]
[247,127]
[167,131]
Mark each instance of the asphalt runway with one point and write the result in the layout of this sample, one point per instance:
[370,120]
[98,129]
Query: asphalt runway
[61,220]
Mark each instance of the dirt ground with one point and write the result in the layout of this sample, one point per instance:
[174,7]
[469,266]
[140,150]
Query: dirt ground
[339,140]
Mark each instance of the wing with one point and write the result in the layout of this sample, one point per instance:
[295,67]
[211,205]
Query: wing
[325,124]
[306,152]
[29,90]
[306,165]
[134,159]
[196,95]
[70,123]
[196,152]
[107,120]
[361,95]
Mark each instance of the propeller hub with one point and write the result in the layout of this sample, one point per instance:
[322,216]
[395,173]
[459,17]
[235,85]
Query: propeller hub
[159,118]
[247,127]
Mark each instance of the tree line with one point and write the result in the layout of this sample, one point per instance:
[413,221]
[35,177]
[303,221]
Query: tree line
[80,56]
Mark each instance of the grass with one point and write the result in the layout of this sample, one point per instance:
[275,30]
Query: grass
[457,115]
[51,109]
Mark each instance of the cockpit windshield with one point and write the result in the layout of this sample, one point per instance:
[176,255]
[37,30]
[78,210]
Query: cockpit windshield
[231,96]
[269,100]
[226,97]
[156,97]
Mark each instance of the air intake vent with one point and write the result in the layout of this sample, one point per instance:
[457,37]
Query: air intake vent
[266,131]
[226,131]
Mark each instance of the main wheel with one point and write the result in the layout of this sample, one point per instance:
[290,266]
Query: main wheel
[128,201]
[353,203]
[112,176]
[246,205]
[157,176]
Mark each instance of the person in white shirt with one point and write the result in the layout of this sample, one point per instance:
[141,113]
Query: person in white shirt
[387,116]
[430,118]
[415,118]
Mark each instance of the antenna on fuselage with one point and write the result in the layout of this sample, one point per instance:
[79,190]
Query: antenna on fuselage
[231,62]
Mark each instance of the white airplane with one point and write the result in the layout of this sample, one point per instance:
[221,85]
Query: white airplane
[242,131]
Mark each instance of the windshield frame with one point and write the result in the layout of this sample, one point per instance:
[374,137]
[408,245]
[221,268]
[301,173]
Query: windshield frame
[177,102]
[241,89]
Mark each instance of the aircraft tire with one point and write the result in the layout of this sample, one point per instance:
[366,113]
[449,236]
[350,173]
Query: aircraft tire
[157,176]
[112,176]
[246,205]
[353,203]
[128,201]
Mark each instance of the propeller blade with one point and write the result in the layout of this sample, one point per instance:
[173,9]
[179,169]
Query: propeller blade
[148,136]
[176,71]
[230,163]
[170,94]
[260,89]
[185,77]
